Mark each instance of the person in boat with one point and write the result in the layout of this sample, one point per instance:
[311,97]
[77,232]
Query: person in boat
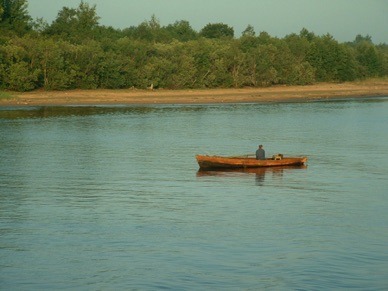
[260,153]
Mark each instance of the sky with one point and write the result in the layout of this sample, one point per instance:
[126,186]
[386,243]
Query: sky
[343,19]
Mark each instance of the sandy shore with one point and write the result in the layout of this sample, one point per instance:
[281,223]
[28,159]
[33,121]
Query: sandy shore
[244,95]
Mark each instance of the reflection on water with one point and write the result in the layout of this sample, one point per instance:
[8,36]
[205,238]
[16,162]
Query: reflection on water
[258,173]
[68,111]
[87,110]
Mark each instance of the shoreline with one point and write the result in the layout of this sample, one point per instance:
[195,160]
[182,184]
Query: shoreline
[320,91]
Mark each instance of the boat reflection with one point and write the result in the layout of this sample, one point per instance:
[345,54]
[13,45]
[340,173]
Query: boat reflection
[259,173]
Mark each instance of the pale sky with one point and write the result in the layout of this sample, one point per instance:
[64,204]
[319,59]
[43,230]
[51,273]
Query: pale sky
[343,19]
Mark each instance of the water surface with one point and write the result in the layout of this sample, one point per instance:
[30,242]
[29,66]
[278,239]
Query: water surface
[108,198]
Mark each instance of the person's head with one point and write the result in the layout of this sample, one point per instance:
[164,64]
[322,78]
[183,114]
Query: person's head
[260,146]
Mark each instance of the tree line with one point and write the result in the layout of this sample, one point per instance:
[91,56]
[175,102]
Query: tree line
[76,52]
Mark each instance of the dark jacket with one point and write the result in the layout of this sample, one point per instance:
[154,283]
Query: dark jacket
[260,154]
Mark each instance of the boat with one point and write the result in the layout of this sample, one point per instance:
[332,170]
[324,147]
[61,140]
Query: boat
[246,161]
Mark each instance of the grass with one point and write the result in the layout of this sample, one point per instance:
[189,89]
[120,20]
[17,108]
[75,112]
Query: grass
[6,95]
[373,81]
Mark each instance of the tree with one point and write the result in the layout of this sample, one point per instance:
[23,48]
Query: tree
[178,67]
[249,31]
[49,56]
[209,60]
[3,66]
[21,77]
[14,16]
[39,25]
[304,33]
[110,71]
[369,58]
[75,24]
[260,69]
[301,74]
[298,46]
[264,38]
[74,51]
[182,31]
[383,50]
[133,55]
[325,56]
[86,60]
[150,31]
[237,60]
[107,34]
[217,30]
[359,39]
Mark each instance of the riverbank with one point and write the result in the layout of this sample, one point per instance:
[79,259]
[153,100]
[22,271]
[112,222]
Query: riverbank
[241,95]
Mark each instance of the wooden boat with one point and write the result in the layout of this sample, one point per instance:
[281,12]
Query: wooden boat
[218,162]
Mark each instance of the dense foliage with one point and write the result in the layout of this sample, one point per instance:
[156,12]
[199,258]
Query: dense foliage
[75,51]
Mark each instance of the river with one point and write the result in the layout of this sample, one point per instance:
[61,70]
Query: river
[110,197]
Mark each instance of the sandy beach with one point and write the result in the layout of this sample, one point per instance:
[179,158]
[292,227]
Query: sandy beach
[160,96]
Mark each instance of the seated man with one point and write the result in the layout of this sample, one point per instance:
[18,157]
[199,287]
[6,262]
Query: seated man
[260,153]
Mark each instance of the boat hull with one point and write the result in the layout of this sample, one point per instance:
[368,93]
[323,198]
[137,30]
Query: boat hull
[218,162]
